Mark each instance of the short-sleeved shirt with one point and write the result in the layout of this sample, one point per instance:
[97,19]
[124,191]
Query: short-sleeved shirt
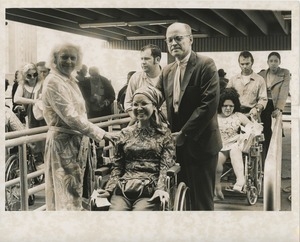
[251,93]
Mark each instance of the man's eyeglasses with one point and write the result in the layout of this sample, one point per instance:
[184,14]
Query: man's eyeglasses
[177,39]
[228,106]
[30,76]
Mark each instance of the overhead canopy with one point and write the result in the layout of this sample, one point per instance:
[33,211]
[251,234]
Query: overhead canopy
[130,28]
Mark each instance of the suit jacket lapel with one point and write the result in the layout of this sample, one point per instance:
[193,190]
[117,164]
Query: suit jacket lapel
[187,75]
[171,77]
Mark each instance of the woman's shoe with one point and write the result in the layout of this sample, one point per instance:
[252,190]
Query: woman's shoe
[238,188]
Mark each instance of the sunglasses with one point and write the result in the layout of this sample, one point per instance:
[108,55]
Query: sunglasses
[177,39]
[30,76]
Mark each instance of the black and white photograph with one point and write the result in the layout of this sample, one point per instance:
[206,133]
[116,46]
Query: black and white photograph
[150,121]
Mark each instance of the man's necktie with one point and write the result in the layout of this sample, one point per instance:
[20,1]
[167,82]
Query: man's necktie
[176,88]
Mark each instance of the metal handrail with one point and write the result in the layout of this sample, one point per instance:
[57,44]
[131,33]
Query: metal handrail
[272,169]
[21,138]
[42,129]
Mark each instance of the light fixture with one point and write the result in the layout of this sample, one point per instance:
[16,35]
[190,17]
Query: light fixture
[102,25]
[200,35]
[122,24]
[146,37]
[151,22]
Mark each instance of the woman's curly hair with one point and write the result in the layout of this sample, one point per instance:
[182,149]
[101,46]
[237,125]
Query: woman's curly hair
[230,94]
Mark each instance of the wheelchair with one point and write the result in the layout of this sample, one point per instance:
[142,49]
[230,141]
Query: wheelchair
[12,171]
[179,193]
[253,169]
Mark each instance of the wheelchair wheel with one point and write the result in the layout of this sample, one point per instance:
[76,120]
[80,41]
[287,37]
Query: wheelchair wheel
[12,193]
[182,198]
[252,195]
[259,175]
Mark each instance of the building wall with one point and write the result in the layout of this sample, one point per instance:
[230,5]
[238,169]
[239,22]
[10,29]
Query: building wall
[21,47]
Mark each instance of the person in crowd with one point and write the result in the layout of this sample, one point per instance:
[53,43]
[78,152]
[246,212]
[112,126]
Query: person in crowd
[277,81]
[122,93]
[102,94]
[150,56]
[223,80]
[12,123]
[42,70]
[84,85]
[250,86]
[29,87]
[27,93]
[67,144]
[230,120]
[144,151]
[18,109]
[190,86]
[6,84]
[81,74]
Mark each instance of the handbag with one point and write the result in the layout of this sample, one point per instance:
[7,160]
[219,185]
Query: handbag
[37,109]
[134,188]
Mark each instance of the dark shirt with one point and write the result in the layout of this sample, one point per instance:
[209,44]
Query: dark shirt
[223,83]
[121,96]
[100,97]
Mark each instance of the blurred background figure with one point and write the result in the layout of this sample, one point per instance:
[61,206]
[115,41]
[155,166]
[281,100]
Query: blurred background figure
[122,93]
[29,87]
[42,70]
[14,88]
[102,94]
[81,74]
[84,85]
[12,123]
[223,80]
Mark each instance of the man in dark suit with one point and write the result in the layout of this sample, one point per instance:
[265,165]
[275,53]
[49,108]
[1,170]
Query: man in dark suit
[192,101]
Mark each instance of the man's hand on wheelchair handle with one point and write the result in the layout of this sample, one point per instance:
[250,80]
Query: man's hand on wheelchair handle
[179,138]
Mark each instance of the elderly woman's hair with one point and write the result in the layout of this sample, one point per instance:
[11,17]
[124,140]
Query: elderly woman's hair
[230,94]
[58,48]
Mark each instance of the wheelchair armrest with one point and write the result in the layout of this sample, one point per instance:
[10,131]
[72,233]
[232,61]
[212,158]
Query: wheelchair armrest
[102,171]
[173,170]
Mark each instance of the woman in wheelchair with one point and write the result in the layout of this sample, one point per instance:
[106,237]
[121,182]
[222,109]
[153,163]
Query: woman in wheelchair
[230,120]
[144,152]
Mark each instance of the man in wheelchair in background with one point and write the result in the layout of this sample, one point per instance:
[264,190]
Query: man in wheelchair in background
[231,122]
[144,152]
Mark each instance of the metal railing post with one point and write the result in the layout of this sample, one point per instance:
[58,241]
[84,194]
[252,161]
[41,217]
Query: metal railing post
[272,169]
[23,176]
